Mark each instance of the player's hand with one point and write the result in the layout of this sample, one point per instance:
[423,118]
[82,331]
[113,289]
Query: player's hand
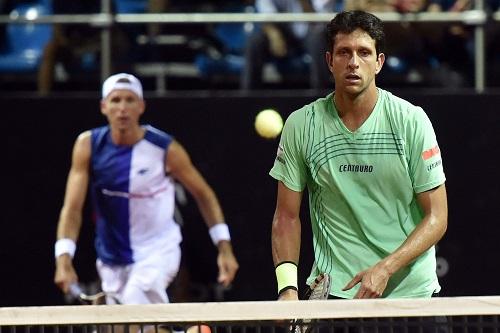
[65,273]
[289,295]
[373,282]
[228,265]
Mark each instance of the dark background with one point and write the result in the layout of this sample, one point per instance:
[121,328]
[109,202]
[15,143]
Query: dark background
[218,132]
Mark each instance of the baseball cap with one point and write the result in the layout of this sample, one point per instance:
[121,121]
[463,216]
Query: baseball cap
[121,81]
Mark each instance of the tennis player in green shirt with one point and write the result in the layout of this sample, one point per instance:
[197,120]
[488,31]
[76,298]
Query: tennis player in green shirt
[372,167]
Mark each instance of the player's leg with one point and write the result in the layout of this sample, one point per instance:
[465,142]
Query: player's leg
[113,281]
[148,281]
[149,278]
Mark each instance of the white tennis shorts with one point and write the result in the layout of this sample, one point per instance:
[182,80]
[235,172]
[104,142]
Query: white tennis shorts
[143,282]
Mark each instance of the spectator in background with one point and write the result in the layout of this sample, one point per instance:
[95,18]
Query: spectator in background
[155,45]
[275,41]
[172,6]
[369,5]
[76,46]
[422,47]
[453,44]
[409,41]
[316,45]
[413,54]
[6,6]
[156,6]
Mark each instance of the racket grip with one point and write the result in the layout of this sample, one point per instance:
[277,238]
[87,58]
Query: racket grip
[75,290]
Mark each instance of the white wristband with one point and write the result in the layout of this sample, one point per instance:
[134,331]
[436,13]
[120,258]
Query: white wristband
[65,245]
[219,232]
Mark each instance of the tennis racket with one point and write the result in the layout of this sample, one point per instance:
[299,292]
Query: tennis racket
[318,290]
[76,291]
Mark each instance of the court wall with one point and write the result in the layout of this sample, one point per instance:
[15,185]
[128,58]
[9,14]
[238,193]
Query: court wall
[218,132]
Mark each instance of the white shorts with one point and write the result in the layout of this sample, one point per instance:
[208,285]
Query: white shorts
[143,282]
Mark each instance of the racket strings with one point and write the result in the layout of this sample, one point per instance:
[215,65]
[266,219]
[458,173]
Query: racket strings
[94,297]
[98,298]
[319,290]
[318,293]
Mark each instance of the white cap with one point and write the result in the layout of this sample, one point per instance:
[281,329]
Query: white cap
[121,81]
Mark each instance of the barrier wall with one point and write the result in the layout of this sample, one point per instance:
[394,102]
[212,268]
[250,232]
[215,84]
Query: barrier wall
[218,132]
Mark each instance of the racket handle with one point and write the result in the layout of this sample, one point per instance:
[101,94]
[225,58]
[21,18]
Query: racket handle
[75,290]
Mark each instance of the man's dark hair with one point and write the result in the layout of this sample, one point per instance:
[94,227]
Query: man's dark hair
[348,21]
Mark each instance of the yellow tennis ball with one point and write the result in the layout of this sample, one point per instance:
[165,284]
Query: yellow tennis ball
[268,123]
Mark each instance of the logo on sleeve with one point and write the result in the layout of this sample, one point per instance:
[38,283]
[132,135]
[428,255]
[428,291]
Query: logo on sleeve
[426,154]
[434,165]
[280,154]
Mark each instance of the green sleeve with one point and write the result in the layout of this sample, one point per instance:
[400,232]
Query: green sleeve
[289,165]
[426,166]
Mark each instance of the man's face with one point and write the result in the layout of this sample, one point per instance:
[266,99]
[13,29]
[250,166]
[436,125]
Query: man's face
[123,109]
[354,62]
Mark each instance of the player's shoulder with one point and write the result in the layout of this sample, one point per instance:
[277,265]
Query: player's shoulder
[97,135]
[82,144]
[101,131]
[85,135]
[157,136]
[84,138]
[398,105]
[311,110]
[155,131]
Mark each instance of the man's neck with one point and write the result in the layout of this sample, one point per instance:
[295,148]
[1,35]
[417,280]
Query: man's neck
[354,110]
[127,137]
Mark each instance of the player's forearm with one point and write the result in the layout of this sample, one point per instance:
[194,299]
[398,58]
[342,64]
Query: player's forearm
[285,239]
[69,224]
[210,208]
[214,219]
[68,230]
[286,250]
[425,235]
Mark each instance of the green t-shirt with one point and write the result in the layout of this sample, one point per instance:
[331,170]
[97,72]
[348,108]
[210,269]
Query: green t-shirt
[362,188]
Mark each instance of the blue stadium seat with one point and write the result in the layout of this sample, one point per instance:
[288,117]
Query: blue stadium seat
[228,60]
[226,57]
[25,42]
[131,6]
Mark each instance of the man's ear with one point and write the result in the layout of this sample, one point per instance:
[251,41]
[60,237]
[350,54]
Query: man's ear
[329,60]
[380,62]
[103,107]
[143,106]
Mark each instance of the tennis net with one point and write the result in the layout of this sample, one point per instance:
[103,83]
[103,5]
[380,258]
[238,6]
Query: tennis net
[436,315]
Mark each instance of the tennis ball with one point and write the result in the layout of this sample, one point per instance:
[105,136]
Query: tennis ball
[205,329]
[268,123]
[199,329]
